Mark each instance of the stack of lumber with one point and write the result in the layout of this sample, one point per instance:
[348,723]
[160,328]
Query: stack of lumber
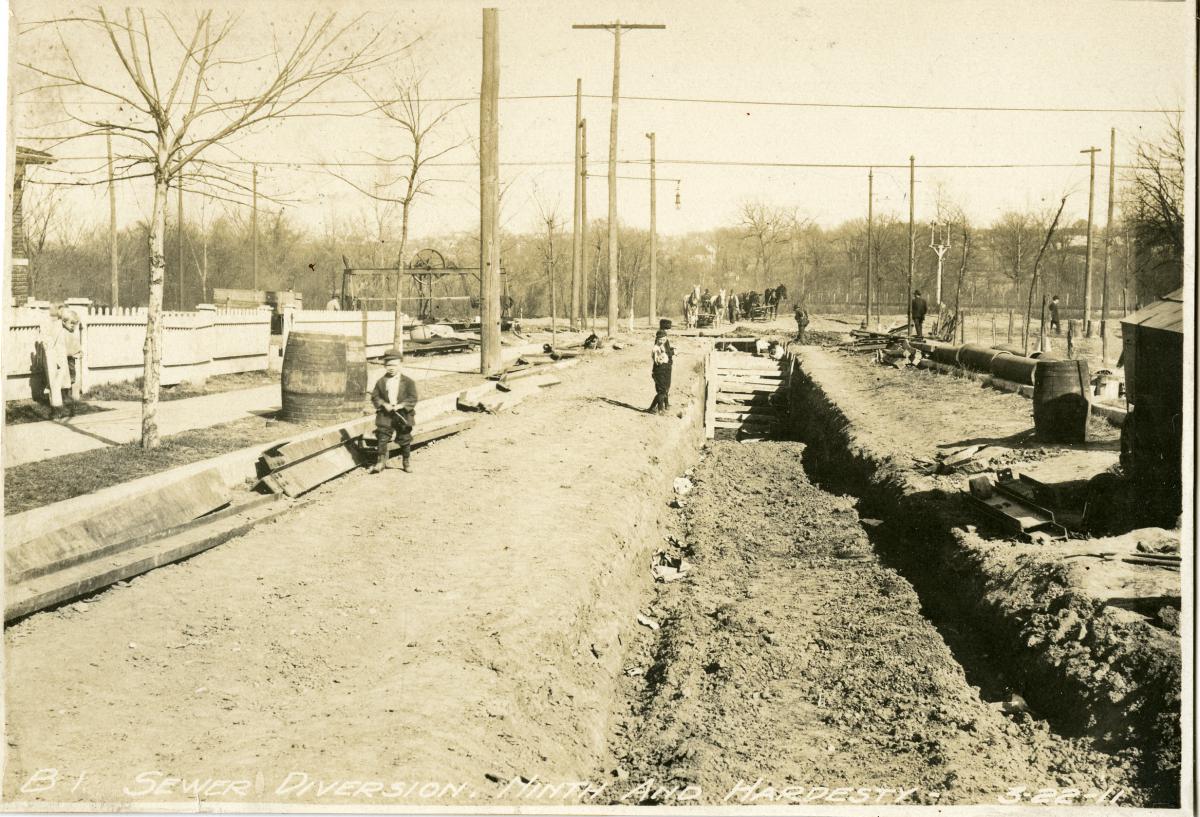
[302,464]
[744,394]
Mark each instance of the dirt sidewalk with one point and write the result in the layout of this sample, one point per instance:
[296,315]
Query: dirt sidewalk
[399,639]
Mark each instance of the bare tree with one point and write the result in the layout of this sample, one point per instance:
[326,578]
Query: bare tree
[179,93]
[42,216]
[1154,208]
[1010,240]
[420,123]
[768,230]
[1033,281]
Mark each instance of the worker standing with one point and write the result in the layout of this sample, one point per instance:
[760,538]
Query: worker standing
[801,322]
[333,304]
[395,401]
[1055,326]
[919,309]
[59,352]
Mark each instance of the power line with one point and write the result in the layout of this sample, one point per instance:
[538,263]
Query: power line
[891,106]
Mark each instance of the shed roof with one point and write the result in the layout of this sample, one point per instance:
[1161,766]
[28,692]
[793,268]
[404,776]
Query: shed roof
[32,156]
[1165,314]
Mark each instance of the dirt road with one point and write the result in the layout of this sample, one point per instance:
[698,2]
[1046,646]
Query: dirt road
[398,639]
[793,668]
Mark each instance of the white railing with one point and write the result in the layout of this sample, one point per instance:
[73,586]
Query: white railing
[196,345]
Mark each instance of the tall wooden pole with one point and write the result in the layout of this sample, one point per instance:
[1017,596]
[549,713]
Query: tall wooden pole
[179,220]
[1112,164]
[489,196]
[613,245]
[576,240]
[1087,261]
[114,278]
[616,28]
[912,241]
[653,237]
[583,225]
[254,224]
[870,242]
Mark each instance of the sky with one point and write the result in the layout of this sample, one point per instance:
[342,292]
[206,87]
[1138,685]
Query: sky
[907,57]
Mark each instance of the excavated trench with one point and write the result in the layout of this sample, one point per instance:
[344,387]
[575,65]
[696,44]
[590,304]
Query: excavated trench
[790,657]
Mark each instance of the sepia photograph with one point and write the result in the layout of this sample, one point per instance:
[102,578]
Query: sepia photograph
[453,407]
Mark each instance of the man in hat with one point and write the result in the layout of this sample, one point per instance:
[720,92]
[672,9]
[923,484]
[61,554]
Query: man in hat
[920,307]
[395,401]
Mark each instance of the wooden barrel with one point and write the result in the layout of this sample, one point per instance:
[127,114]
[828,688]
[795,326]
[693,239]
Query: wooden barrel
[357,386]
[314,377]
[1060,404]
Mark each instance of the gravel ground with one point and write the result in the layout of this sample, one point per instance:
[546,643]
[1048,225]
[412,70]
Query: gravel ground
[792,667]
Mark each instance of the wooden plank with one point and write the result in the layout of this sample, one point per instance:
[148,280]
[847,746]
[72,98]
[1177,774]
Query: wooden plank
[710,396]
[164,507]
[299,449]
[743,426]
[540,381]
[749,388]
[758,373]
[84,579]
[746,415]
[751,400]
[748,381]
[468,399]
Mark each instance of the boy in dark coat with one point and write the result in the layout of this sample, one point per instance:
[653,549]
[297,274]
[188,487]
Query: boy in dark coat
[662,359]
[919,309]
[395,401]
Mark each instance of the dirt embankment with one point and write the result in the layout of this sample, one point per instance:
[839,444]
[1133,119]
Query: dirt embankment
[1081,663]
[793,667]
[398,639]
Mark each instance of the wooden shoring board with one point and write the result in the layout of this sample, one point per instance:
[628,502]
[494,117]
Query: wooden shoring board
[164,507]
[758,399]
[750,427]
[749,388]
[744,360]
[540,381]
[750,372]
[761,412]
[748,381]
[86,578]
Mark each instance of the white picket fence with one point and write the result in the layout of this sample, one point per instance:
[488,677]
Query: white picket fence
[196,345]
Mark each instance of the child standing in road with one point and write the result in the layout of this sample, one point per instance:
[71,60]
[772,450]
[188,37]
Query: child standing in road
[662,359]
[395,401]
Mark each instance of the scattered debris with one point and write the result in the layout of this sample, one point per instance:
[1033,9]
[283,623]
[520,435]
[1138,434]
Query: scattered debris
[683,486]
[669,568]
[646,621]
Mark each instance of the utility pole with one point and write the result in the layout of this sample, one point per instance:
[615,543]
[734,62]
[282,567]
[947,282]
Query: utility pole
[653,238]
[254,223]
[616,28]
[489,197]
[112,227]
[870,242]
[912,240]
[576,239]
[1087,262]
[583,224]
[939,247]
[1112,164]
[179,219]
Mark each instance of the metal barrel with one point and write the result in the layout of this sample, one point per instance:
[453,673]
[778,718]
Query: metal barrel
[314,377]
[1060,404]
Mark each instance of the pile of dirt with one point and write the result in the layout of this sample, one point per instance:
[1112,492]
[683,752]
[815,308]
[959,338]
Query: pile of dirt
[793,667]
[1080,664]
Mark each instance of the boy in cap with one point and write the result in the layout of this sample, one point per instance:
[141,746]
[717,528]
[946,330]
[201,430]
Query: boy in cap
[662,359]
[395,401]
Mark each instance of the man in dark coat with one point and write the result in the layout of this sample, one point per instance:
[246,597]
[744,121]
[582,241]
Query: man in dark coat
[919,309]
[1055,326]
[801,322]
[662,359]
[395,401]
